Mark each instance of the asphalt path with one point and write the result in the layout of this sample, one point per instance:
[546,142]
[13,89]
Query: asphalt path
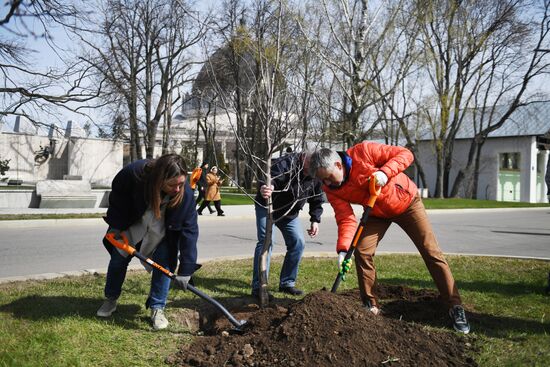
[46,248]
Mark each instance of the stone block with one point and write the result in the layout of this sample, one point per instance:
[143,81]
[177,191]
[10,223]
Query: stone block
[65,194]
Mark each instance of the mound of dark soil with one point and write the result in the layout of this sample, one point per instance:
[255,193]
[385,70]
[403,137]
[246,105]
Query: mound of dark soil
[325,329]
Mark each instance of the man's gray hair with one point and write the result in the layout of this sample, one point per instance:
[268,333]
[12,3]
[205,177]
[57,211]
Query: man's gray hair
[323,158]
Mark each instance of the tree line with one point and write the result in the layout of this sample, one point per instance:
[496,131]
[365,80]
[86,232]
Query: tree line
[332,72]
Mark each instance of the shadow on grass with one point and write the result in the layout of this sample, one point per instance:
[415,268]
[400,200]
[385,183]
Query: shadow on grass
[43,308]
[424,306]
[231,287]
[434,313]
[236,292]
[506,289]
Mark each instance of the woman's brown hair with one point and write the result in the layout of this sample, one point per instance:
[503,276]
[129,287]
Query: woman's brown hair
[156,172]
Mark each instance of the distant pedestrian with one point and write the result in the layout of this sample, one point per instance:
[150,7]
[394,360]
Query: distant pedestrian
[153,206]
[547,179]
[213,192]
[202,185]
[195,177]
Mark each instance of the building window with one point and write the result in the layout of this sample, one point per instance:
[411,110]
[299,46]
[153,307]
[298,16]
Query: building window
[509,161]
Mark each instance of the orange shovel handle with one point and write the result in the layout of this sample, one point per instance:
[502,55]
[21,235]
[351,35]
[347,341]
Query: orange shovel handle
[132,251]
[121,245]
[374,191]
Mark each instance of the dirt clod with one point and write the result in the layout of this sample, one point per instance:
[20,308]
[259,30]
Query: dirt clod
[325,329]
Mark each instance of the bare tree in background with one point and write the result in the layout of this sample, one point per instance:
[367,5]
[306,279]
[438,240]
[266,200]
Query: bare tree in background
[26,89]
[455,35]
[253,65]
[142,50]
[518,55]
[397,83]
[230,66]
[180,29]
[356,32]
[114,50]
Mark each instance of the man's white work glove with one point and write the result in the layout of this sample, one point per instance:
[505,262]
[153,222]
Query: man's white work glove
[381,178]
[341,256]
[181,281]
[343,265]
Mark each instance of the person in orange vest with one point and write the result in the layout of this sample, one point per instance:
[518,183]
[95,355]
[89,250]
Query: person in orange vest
[345,177]
[195,177]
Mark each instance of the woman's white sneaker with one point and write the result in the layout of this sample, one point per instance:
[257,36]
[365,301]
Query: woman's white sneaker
[159,320]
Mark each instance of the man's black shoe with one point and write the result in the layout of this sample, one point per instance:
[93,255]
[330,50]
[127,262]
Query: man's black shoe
[291,290]
[256,294]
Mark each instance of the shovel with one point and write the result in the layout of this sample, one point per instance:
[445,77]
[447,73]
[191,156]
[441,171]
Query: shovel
[374,192]
[133,252]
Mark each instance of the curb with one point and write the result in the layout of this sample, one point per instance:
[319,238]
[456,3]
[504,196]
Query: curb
[307,254]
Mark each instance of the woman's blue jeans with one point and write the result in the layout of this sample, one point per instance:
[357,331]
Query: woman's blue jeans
[293,235]
[160,283]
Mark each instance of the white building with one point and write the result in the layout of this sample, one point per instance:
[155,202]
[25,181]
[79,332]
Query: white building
[513,159]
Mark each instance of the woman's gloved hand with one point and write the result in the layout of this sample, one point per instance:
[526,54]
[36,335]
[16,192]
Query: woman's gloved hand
[181,281]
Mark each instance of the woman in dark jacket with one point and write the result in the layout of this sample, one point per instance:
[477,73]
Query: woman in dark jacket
[153,205]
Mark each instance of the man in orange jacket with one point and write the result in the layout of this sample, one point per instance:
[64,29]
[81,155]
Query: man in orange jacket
[345,177]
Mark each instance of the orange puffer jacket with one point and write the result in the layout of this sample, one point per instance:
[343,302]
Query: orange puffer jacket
[394,199]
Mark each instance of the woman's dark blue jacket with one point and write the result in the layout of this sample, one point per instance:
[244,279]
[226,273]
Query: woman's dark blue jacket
[127,205]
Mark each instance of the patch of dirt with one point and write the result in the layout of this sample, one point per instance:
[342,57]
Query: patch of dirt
[325,329]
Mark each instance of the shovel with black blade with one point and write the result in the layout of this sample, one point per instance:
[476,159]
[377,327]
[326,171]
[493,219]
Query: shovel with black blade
[124,245]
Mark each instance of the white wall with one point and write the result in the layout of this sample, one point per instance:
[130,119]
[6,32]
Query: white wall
[488,178]
[20,149]
[96,160]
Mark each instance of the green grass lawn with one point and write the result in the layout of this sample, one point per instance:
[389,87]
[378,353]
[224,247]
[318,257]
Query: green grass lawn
[53,323]
[470,203]
[236,199]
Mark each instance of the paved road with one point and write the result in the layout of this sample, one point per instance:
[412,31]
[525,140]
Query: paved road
[52,246]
